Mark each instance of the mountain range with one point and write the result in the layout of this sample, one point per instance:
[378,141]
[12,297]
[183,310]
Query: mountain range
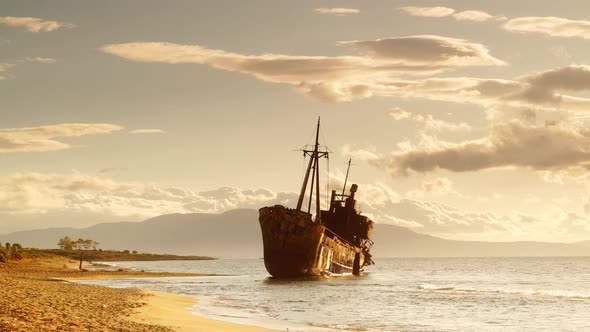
[236,234]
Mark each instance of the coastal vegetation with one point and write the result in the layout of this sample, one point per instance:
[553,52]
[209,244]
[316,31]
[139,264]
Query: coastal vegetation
[86,249]
[10,252]
[116,255]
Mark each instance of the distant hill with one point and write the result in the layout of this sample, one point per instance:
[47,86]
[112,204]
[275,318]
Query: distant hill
[583,243]
[236,234]
[395,241]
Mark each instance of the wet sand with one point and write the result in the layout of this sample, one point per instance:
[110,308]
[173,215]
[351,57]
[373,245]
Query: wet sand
[35,296]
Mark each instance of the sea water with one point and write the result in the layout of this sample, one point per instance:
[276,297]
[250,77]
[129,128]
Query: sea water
[411,294]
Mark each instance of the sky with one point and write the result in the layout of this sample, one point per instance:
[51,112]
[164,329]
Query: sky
[464,119]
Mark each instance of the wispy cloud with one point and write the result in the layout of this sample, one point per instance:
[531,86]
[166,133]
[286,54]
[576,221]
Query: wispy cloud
[398,113]
[552,26]
[41,139]
[427,122]
[4,67]
[147,131]
[326,78]
[477,16]
[467,15]
[540,90]
[337,11]
[441,185]
[358,153]
[42,60]
[428,11]
[33,24]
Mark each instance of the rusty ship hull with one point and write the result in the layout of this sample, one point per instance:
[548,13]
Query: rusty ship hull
[335,242]
[295,246]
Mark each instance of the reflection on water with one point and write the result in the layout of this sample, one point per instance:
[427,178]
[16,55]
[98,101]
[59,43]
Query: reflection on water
[439,294]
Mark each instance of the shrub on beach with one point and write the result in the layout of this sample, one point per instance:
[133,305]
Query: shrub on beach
[3,257]
[11,252]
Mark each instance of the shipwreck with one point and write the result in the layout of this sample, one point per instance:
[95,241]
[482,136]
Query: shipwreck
[334,242]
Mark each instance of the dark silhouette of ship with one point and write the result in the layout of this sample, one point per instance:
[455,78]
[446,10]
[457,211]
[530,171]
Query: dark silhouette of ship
[335,242]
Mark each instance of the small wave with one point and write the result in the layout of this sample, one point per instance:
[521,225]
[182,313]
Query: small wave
[104,264]
[433,287]
[96,266]
[554,293]
[338,327]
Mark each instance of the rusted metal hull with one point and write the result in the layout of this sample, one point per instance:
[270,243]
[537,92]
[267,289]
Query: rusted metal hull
[295,246]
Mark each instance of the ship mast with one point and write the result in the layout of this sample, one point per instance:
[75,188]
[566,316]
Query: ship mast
[314,166]
[346,178]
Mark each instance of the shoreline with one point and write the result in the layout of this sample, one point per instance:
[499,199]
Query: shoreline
[40,294]
[172,310]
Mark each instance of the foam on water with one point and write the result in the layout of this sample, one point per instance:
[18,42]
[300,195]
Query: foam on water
[556,293]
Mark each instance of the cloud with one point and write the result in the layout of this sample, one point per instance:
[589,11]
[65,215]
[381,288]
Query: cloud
[428,11]
[326,78]
[384,205]
[439,219]
[440,185]
[4,67]
[467,15]
[337,11]
[378,70]
[147,131]
[41,139]
[35,200]
[398,113]
[437,186]
[477,16]
[42,60]
[552,26]
[511,144]
[366,153]
[33,24]
[548,25]
[85,196]
[541,90]
[571,78]
[553,224]
[443,51]
[431,124]
[427,122]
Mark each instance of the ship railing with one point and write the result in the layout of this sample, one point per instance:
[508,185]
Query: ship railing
[337,236]
[364,243]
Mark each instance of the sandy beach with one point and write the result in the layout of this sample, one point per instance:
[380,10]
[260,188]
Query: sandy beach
[36,296]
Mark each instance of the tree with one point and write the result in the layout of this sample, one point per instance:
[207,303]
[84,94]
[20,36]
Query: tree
[80,244]
[14,251]
[65,243]
[90,244]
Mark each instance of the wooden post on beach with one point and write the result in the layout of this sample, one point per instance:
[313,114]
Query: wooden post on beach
[81,257]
